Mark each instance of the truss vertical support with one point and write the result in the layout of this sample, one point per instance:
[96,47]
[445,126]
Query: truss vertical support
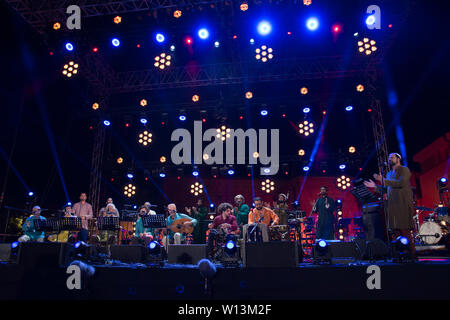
[97,167]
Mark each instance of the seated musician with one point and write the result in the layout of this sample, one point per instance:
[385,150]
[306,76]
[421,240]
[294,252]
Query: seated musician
[64,235]
[109,236]
[142,235]
[102,210]
[30,234]
[262,217]
[149,207]
[172,237]
[224,224]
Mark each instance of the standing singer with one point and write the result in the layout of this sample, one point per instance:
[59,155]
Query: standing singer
[324,206]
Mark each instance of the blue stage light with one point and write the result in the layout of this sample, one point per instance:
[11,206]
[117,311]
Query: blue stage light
[217,44]
[264,28]
[115,42]
[69,204]
[322,243]
[404,241]
[182,118]
[339,201]
[106,123]
[443,180]
[264,112]
[211,205]
[14,244]
[305,168]
[195,173]
[162,175]
[252,41]
[31,193]
[203,34]
[130,176]
[312,23]
[342,166]
[77,244]
[69,46]
[231,172]
[172,48]
[160,37]
[370,20]
[230,245]
[306,110]
[348,108]
[144,121]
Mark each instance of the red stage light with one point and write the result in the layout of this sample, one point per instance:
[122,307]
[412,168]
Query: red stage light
[112,179]
[249,174]
[91,127]
[289,33]
[178,178]
[51,53]
[286,173]
[370,110]
[390,25]
[203,120]
[138,45]
[214,176]
[235,37]
[324,112]
[336,28]
[127,124]
[163,123]
[188,40]
[241,117]
[323,171]
[146,178]
[95,49]
[283,115]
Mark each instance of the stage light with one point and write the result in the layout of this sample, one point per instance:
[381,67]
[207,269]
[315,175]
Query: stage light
[370,20]
[301,152]
[252,41]
[400,249]
[304,90]
[443,180]
[154,248]
[195,173]
[264,53]
[162,175]
[312,23]
[95,49]
[223,133]
[69,46]
[306,128]
[255,154]
[306,110]
[144,121]
[177,14]
[182,118]
[203,34]
[31,193]
[321,252]
[244,6]
[106,123]
[117,19]
[119,160]
[217,44]
[70,69]
[352,149]
[144,138]
[305,168]
[188,40]
[162,61]
[230,172]
[196,189]
[195,98]
[129,190]
[130,176]
[348,108]
[172,48]
[264,28]
[95,106]
[367,46]
[343,183]
[307,2]
[249,95]
[205,156]
[342,166]
[162,159]
[264,112]
[15,244]
[267,186]
[115,42]
[211,205]
[160,37]
[143,102]
[56,26]
[360,88]
[336,28]
[230,247]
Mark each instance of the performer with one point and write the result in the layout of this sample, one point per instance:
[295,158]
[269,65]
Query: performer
[30,234]
[83,210]
[141,234]
[199,213]
[102,210]
[109,236]
[149,207]
[172,237]
[400,207]
[224,223]
[280,207]
[241,210]
[263,217]
[324,206]
[64,235]
[67,211]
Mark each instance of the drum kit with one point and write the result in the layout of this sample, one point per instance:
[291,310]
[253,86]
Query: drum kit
[434,228]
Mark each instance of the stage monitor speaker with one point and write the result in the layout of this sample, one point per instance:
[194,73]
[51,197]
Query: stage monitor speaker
[279,254]
[5,251]
[128,253]
[186,253]
[35,254]
[374,249]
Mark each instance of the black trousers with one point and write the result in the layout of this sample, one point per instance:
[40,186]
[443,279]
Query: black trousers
[372,226]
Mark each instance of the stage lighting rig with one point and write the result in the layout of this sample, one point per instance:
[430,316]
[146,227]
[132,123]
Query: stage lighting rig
[70,69]
[95,106]
[264,53]
[143,103]
[343,182]
[195,98]
[360,88]
[301,152]
[307,2]
[306,128]
[177,14]
[145,138]
[119,160]
[304,90]
[56,26]
[351,149]
[223,133]
[129,190]
[367,46]
[244,6]
[400,249]
[322,253]
[267,186]
[229,255]
[162,159]
[162,61]
[117,19]
[155,253]
[196,189]
[248,95]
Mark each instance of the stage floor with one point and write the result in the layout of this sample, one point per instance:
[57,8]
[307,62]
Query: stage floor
[426,279]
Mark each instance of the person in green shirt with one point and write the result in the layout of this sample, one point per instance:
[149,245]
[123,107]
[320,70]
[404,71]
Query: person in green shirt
[30,234]
[141,234]
[172,237]
[241,211]
[199,213]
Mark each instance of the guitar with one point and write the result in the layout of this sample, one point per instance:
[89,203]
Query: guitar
[180,227]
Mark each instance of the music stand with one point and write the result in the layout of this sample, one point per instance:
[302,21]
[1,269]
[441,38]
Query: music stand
[154,221]
[70,224]
[48,225]
[108,223]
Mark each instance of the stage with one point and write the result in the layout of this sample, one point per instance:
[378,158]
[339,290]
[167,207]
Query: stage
[425,279]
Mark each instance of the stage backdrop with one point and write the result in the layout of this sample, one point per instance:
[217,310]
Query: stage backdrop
[224,189]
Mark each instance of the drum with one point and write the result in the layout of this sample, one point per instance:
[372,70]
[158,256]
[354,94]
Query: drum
[431,232]
[279,233]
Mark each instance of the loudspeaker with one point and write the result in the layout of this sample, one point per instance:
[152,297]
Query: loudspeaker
[282,254]
[186,253]
[128,254]
[5,251]
[34,254]
[374,249]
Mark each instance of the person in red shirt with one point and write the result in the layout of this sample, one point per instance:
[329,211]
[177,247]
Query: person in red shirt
[224,226]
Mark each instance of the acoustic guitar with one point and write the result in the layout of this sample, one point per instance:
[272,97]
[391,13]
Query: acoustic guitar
[180,227]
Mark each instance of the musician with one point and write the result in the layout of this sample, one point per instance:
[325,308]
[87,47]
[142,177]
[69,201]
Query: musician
[64,235]
[224,223]
[173,237]
[149,206]
[110,211]
[83,210]
[67,211]
[400,207]
[141,234]
[262,216]
[241,210]
[102,210]
[324,206]
[199,213]
[280,207]
[30,234]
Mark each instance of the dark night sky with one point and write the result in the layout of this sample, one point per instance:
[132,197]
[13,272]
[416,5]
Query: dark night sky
[417,64]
